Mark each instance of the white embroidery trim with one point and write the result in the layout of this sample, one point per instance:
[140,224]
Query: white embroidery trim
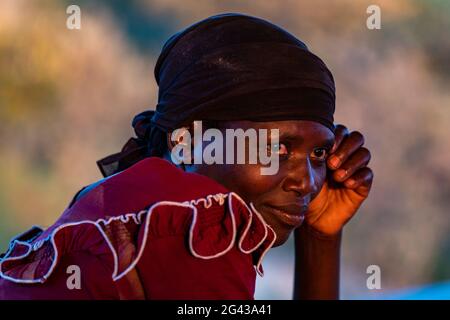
[258,265]
[15,240]
[207,202]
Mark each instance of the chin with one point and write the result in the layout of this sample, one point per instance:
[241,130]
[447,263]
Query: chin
[282,237]
[283,227]
[282,232]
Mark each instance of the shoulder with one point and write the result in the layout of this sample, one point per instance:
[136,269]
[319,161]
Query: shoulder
[176,228]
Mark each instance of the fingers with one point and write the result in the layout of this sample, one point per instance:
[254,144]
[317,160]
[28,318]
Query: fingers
[345,149]
[340,132]
[348,161]
[359,159]
[361,181]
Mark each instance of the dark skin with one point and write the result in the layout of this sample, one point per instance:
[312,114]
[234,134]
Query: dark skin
[322,180]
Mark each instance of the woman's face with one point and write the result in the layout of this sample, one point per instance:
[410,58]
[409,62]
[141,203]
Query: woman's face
[281,198]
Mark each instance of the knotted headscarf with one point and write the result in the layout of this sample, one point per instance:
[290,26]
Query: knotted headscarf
[229,67]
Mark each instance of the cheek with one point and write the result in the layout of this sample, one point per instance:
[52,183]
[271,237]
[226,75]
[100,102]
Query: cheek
[247,181]
[320,175]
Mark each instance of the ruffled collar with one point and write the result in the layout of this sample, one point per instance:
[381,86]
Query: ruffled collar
[136,198]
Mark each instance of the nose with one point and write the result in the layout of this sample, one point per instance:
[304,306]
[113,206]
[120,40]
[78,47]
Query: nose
[301,179]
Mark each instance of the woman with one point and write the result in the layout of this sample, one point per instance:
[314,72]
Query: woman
[155,230]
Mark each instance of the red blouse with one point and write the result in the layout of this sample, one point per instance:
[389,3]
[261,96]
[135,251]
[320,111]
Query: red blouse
[152,231]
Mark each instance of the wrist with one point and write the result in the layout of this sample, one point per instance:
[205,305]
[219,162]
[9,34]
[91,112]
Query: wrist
[313,232]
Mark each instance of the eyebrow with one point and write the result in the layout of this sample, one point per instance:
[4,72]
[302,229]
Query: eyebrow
[326,143]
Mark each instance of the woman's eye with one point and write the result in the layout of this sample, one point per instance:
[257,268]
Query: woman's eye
[279,148]
[320,153]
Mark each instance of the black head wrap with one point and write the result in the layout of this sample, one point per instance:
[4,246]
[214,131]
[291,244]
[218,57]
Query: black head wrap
[229,67]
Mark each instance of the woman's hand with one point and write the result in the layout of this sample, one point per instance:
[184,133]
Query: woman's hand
[347,185]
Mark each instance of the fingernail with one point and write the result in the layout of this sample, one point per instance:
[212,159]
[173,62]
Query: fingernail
[334,161]
[341,173]
[350,182]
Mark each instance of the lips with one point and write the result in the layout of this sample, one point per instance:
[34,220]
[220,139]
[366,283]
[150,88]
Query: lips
[291,214]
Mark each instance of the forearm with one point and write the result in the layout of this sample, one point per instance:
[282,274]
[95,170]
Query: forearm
[317,262]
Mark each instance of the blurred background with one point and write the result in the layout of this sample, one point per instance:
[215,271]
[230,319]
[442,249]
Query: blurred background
[67,98]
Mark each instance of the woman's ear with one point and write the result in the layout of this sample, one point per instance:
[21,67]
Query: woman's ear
[182,138]
[178,136]
[170,144]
